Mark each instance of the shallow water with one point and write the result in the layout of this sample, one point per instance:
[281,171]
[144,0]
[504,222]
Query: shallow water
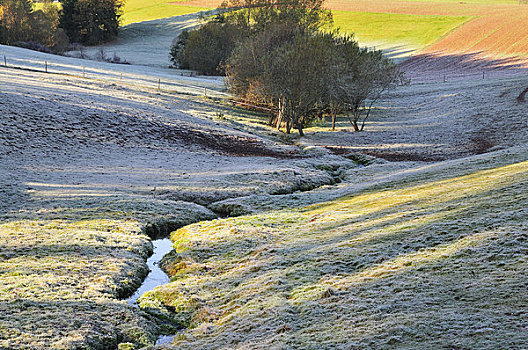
[156,275]
[165,339]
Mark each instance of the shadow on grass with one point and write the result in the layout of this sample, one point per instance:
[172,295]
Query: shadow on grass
[439,256]
[463,66]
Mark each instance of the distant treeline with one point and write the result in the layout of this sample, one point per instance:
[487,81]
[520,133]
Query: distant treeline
[52,28]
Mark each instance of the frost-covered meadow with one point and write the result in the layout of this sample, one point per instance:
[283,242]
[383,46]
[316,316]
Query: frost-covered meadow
[411,234]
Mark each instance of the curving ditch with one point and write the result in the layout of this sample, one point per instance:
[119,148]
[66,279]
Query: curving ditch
[162,246]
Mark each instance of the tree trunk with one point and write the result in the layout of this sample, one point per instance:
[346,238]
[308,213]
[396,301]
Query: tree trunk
[355,126]
[333,114]
[280,116]
[300,127]
[288,125]
[272,119]
[353,122]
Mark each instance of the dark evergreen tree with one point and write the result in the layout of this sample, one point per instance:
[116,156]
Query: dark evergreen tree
[91,22]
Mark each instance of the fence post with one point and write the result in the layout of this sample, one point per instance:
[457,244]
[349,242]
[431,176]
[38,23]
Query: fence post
[45,66]
[5,61]
[205,92]
[121,76]
[445,78]
[159,84]
[482,75]
[84,75]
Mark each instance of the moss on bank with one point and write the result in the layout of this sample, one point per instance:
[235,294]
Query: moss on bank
[67,265]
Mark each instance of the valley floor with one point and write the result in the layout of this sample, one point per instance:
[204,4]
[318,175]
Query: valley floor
[411,234]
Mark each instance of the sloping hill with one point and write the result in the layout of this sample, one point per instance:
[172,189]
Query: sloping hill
[148,43]
[435,260]
[92,165]
[497,28]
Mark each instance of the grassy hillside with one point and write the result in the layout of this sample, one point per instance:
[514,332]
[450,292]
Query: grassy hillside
[485,2]
[444,25]
[437,260]
[411,30]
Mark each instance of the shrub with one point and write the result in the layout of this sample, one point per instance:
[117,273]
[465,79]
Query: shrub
[32,45]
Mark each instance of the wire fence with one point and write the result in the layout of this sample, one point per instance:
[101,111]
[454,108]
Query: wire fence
[169,84]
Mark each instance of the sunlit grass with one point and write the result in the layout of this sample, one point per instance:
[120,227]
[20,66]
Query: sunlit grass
[68,258]
[63,267]
[140,10]
[485,2]
[285,265]
[414,31]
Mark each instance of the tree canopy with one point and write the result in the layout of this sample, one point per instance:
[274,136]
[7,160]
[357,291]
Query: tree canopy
[21,25]
[207,48]
[282,55]
[301,74]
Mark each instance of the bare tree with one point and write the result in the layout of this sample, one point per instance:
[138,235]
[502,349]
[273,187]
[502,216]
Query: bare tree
[367,78]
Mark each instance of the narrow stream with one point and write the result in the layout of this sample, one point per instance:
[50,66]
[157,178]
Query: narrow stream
[156,275]
[155,278]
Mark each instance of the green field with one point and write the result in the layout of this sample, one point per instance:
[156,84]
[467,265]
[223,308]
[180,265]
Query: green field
[141,10]
[416,31]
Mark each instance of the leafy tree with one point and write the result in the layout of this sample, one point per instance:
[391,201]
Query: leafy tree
[295,77]
[177,53]
[302,73]
[246,66]
[260,14]
[284,67]
[205,49]
[335,92]
[91,22]
[16,20]
[277,55]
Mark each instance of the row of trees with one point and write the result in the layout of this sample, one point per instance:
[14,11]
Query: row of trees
[80,21]
[282,55]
